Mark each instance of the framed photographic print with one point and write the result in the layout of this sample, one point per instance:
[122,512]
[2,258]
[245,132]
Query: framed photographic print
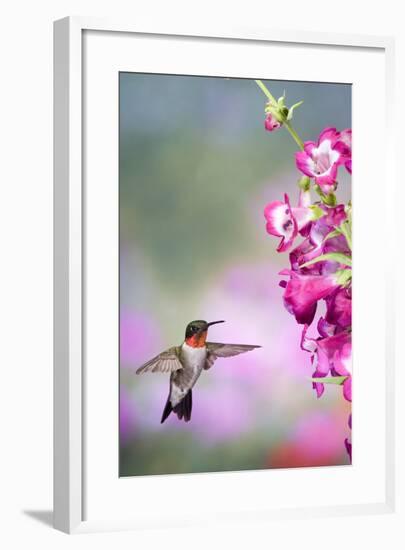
[214,301]
[195,157]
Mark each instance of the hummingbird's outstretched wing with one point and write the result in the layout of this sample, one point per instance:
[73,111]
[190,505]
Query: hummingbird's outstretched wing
[167,361]
[216,350]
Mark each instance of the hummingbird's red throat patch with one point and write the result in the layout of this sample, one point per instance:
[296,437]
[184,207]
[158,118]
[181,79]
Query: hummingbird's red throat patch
[197,340]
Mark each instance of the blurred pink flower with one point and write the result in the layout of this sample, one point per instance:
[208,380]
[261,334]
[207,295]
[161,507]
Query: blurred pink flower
[222,413]
[317,433]
[219,412]
[244,298]
[248,281]
[139,337]
[315,441]
[127,416]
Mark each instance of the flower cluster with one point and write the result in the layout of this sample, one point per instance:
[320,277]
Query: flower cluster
[320,263]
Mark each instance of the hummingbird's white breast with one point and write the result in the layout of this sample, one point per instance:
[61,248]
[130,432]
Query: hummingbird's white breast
[194,358]
[193,361]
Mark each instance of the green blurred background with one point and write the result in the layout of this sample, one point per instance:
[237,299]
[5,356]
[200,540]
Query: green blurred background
[196,170]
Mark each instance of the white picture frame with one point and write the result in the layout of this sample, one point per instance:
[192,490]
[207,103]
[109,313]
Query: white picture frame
[71,248]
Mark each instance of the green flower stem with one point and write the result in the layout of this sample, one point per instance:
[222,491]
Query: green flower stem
[271,98]
[332,256]
[294,135]
[265,91]
[338,380]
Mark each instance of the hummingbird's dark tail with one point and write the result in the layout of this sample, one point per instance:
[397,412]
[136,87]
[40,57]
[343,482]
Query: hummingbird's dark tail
[182,409]
[167,410]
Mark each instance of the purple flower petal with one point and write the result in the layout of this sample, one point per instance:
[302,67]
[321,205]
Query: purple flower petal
[317,386]
[329,133]
[305,163]
[339,308]
[325,329]
[335,216]
[341,353]
[303,292]
[344,142]
[307,344]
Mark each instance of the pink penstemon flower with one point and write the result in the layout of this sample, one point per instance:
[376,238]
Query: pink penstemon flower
[286,222]
[320,264]
[321,160]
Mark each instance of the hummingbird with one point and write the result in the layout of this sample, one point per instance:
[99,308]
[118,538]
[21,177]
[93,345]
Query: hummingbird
[186,362]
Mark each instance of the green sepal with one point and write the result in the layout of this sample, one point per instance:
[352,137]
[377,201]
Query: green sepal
[337,380]
[304,183]
[276,111]
[317,211]
[332,234]
[343,276]
[329,200]
[281,101]
[332,256]
[270,107]
[291,109]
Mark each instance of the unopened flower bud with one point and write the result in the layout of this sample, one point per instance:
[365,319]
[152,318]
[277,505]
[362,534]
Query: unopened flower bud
[271,123]
[304,183]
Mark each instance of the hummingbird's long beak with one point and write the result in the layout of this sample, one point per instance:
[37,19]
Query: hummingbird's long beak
[214,323]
